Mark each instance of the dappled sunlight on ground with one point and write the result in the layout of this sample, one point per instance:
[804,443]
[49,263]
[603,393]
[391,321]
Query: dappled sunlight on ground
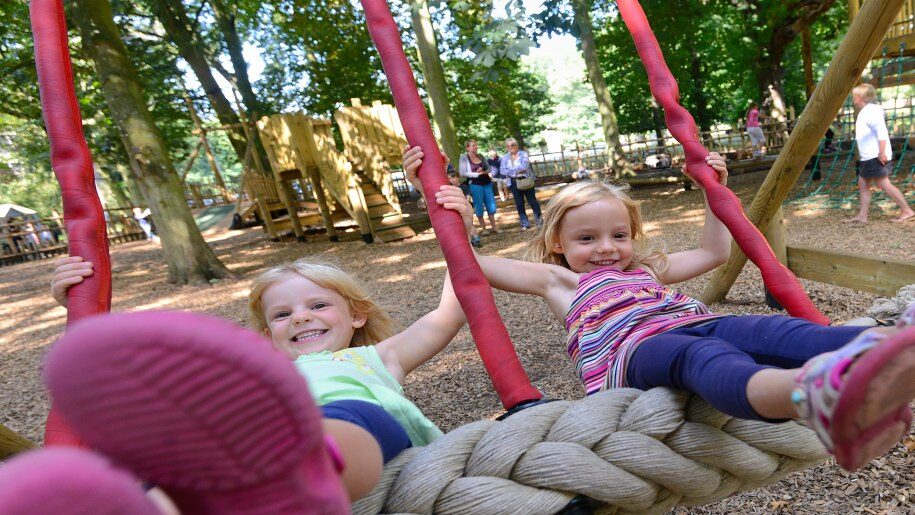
[395,278]
[406,277]
[434,265]
[396,258]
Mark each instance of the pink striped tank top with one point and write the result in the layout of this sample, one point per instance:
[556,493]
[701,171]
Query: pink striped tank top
[612,313]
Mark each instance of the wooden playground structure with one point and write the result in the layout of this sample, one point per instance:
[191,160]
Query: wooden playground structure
[323,185]
[875,25]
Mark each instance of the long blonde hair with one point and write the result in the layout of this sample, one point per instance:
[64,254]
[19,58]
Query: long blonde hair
[378,325]
[543,243]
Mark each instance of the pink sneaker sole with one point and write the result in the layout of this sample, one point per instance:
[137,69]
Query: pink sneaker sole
[200,407]
[71,481]
[873,412]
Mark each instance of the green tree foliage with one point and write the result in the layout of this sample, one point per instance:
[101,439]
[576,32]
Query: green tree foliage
[714,50]
[318,55]
[490,111]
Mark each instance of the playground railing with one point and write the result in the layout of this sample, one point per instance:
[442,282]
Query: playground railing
[44,238]
[641,151]
[206,194]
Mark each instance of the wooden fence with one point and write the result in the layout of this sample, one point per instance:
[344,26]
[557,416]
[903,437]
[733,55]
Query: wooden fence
[30,240]
[639,148]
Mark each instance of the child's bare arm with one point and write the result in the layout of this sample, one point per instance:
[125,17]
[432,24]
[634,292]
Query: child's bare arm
[714,246]
[68,271]
[417,344]
[553,283]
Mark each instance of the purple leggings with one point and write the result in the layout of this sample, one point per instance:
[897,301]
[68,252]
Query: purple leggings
[716,359]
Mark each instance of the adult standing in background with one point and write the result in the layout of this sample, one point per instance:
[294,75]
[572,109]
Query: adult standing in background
[515,165]
[875,152]
[495,165]
[474,167]
[754,130]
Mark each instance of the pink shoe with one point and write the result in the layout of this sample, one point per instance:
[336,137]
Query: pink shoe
[71,481]
[857,397]
[200,407]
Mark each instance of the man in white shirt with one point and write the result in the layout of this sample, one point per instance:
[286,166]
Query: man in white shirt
[875,152]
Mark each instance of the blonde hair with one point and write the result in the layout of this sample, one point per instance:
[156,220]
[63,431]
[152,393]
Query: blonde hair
[866,91]
[581,193]
[378,325]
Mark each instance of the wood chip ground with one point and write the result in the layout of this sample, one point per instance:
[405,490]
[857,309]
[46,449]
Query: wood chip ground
[453,388]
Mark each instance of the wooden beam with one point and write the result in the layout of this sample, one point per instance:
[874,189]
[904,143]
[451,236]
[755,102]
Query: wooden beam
[858,46]
[12,443]
[323,206]
[883,276]
[893,44]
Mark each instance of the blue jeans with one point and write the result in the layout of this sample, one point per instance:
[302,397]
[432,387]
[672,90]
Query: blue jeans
[531,196]
[483,196]
[716,359]
[390,435]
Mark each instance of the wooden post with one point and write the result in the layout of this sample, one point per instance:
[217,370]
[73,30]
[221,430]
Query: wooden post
[190,161]
[288,196]
[211,158]
[12,443]
[198,199]
[357,200]
[326,214]
[778,241]
[853,7]
[857,48]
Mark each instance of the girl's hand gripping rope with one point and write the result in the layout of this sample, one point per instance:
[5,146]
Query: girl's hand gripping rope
[450,197]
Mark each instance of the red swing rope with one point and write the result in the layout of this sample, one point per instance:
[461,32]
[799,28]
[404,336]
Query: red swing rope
[83,216]
[473,292]
[784,286]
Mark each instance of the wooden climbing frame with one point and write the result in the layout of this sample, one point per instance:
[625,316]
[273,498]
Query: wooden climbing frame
[319,182]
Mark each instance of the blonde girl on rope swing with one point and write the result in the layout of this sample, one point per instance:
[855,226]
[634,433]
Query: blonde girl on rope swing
[592,264]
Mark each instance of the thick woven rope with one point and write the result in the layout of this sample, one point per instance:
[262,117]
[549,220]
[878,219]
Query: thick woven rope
[631,450]
[890,309]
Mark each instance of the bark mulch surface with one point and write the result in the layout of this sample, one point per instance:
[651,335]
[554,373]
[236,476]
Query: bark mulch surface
[453,388]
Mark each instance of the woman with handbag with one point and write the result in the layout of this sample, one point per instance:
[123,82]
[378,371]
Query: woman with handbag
[516,168]
[475,168]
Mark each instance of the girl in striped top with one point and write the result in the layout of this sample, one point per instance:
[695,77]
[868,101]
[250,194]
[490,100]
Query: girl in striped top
[595,270]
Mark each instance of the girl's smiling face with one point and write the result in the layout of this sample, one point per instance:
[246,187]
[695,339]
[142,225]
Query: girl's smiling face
[596,235]
[303,317]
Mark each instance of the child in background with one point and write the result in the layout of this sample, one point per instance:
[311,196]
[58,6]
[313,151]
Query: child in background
[595,270]
[495,162]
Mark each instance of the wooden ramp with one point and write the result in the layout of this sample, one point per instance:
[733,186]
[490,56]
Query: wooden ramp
[309,167]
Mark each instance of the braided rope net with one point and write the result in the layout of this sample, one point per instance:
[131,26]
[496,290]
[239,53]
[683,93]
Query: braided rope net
[632,451]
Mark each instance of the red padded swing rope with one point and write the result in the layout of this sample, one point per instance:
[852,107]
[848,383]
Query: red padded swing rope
[473,291]
[724,204]
[83,216]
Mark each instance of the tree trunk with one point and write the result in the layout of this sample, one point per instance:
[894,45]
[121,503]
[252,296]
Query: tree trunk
[225,19]
[807,53]
[174,18]
[697,80]
[660,127]
[434,77]
[616,159]
[510,117]
[189,258]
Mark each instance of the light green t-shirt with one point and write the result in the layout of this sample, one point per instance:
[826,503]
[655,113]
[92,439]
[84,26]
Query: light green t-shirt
[358,373]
